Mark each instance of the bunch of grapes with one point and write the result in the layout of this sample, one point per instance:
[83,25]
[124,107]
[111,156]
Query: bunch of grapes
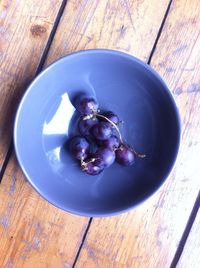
[97,147]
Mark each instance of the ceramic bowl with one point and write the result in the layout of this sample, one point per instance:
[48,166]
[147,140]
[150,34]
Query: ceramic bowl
[45,121]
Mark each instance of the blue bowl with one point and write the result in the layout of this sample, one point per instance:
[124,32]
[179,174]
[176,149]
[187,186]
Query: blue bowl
[45,120]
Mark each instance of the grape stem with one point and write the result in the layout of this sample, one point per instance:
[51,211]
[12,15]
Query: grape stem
[113,124]
[84,164]
[138,154]
[116,127]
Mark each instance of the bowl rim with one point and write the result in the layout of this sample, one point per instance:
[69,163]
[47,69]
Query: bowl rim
[98,51]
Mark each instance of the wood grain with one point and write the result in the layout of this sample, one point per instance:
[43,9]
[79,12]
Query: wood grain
[24,228]
[126,25]
[22,210]
[149,236]
[32,231]
[191,252]
[24,29]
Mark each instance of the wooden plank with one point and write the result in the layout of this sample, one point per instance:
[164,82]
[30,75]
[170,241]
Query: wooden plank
[191,253]
[125,25]
[22,209]
[24,230]
[32,231]
[149,236]
[24,29]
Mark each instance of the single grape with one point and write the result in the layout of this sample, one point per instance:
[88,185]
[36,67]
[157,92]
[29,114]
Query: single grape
[112,117]
[93,167]
[106,155]
[79,147]
[112,142]
[86,105]
[101,131]
[125,155]
[84,126]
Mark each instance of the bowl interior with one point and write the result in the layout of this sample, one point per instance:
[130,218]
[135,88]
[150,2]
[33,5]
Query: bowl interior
[46,119]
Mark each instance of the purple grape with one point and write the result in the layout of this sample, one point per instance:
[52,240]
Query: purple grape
[93,145]
[106,155]
[84,126]
[111,116]
[125,156]
[79,147]
[101,131]
[112,142]
[86,105]
[94,168]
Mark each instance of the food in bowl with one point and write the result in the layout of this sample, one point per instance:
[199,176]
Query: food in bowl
[99,128]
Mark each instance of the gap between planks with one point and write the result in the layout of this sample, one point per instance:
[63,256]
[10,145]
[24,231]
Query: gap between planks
[82,242]
[159,32]
[186,232]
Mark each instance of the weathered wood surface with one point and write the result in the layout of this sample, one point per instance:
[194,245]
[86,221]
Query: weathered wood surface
[149,236]
[24,30]
[32,231]
[52,237]
[56,241]
[126,25]
[191,252]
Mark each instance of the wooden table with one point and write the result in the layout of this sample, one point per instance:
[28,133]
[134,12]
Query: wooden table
[163,232]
